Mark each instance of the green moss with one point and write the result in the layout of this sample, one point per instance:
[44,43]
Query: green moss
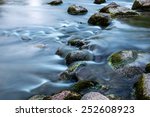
[147,68]
[75,66]
[73,96]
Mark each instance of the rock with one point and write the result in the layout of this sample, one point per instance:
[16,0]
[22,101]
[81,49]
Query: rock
[100,19]
[64,51]
[64,95]
[81,85]
[78,55]
[147,68]
[99,1]
[77,42]
[94,96]
[77,10]
[70,73]
[37,97]
[56,2]
[121,58]
[143,87]
[141,5]
[118,11]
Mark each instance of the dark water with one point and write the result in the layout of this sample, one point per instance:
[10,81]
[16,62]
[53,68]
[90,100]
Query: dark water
[31,31]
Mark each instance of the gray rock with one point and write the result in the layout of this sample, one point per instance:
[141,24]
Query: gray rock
[78,55]
[118,11]
[143,87]
[99,1]
[100,19]
[141,5]
[56,2]
[64,95]
[77,10]
[94,96]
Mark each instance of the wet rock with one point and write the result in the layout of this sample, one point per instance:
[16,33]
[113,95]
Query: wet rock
[77,10]
[116,10]
[64,95]
[64,51]
[141,5]
[56,2]
[81,85]
[70,73]
[37,97]
[99,1]
[143,87]
[77,42]
[147,68]
[94,96]
[100,19]
[121,58]
[78,55]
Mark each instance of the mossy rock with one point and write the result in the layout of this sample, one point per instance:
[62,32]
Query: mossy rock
[77,42]
[70,73]
[121,58]
[55,2]
[147,68]
[99,1]
[143,87]
[64,95]
[77,10]
[81,85]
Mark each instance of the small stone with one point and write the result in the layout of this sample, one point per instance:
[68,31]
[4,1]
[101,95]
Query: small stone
[94,96]
[56,2]
[100,19]
[65,95]
[78,55]
[143,87]
[99,1]
[77,10]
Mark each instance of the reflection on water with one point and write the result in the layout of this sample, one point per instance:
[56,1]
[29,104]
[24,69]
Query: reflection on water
[30,33]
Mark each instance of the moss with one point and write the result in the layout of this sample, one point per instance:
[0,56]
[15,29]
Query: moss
[147,68]
[83,85]
[73,96]
[75,66]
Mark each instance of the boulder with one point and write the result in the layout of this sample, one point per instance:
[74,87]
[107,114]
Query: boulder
[141,5]
[94,96]
[56,2]
[147,68]
[64,95]
[99,1]
[143,87]
[100,19]
[77,10]
[118,11]
[79,55]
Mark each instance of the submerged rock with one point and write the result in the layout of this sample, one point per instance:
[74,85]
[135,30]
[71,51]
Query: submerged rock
[141,5]
[70,73]
[116,10]
[99,1]
[78,55]
[77,42]
[94,96]
[77,10]
[64,95]
[100,19]
[143,87]
[147,68]
[56,2]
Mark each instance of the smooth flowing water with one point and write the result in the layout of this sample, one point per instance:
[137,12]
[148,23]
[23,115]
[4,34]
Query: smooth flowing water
[31,31]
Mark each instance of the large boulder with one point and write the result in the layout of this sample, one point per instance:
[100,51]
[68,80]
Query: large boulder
[141,5]
[143,87]
[79,55]
[56,2]
[118,11]
[77,10]
[64,95]
[100,19]
[99,1]
[94,96]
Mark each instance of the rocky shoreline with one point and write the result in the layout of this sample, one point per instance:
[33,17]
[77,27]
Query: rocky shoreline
[77,54]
